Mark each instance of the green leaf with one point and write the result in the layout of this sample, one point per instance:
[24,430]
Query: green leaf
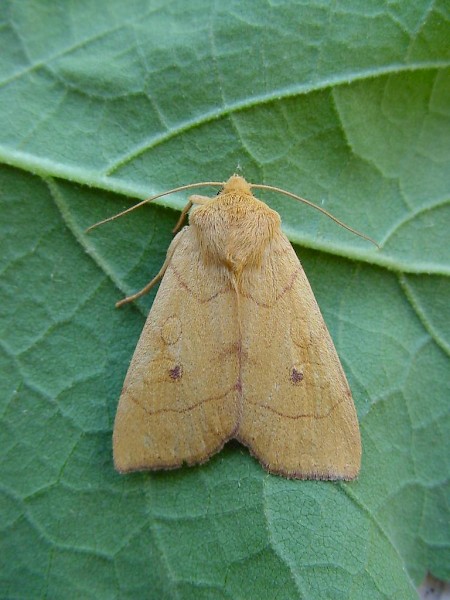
[105,102]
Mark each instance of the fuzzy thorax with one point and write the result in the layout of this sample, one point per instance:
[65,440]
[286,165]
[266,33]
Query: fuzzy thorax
[234,228]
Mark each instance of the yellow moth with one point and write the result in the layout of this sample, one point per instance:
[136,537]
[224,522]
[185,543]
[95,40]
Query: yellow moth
[235,346]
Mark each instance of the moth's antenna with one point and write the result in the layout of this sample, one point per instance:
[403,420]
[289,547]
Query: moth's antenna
[178,189]
[322,210]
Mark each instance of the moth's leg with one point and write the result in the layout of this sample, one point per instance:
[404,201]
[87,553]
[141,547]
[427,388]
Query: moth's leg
[196,199]
[155,279]
[180,221]
[192,200]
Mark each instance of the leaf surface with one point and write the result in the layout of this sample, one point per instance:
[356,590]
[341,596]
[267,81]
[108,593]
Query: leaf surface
[103,103]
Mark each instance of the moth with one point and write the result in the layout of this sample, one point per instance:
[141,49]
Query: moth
[235,347]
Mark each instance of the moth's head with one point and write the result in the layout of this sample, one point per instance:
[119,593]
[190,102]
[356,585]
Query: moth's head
[236,185]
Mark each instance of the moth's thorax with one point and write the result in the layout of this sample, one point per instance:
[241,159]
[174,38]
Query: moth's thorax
[234,229]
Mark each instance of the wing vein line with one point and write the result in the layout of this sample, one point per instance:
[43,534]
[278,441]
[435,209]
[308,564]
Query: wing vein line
[186,408]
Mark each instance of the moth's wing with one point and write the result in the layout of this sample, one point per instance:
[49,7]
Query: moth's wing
[179,400]
[298,416]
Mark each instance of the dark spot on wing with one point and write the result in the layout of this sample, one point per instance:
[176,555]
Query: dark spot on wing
[296,376]
[176,372]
